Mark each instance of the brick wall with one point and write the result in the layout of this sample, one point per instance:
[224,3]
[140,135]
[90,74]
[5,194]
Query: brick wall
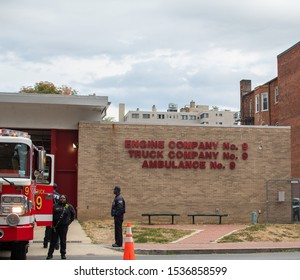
[235,186]
[289,87]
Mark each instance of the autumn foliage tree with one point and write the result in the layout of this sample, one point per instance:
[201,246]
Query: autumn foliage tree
[48,88]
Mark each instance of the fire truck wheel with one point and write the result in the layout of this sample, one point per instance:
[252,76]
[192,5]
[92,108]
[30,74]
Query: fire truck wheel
[19,251]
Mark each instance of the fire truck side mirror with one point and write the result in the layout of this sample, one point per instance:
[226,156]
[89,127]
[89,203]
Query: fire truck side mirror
[41,160]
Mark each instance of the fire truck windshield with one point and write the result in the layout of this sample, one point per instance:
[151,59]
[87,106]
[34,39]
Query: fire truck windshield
[14,160]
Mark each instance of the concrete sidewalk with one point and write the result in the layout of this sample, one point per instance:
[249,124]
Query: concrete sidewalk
[202,241]
[78,244]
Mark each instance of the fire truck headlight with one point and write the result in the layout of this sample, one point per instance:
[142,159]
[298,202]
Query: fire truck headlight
[18,210]
[14,203]
[12,220]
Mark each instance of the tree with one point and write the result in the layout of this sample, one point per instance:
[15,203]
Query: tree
[48,88]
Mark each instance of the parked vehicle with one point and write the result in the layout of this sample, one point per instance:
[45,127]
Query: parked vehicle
[26,191]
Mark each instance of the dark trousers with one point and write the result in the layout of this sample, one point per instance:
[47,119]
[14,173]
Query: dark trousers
[296,216]
[47,238]
[59,233]
[118,230]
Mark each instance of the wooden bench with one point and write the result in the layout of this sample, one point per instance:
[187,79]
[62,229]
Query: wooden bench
[206,215]
[160,214]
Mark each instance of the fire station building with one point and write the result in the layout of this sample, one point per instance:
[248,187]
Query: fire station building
[234,170]
[179,169]
[52,122]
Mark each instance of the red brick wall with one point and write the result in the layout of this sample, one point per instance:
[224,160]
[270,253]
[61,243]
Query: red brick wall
[289,85]
[287,111]
[289,94]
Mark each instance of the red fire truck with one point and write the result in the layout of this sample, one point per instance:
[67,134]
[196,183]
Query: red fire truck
[26,191]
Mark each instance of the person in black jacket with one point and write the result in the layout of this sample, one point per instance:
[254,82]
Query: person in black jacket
[47,237]
[117,211]
[63,216]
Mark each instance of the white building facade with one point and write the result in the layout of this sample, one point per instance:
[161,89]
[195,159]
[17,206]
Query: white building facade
[189,115]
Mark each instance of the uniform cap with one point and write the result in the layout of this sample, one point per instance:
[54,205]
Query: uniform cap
[117,188]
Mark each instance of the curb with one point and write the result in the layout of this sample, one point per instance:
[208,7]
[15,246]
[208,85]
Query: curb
[214,251]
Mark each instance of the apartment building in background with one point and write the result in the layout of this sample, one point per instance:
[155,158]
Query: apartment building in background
[191,114]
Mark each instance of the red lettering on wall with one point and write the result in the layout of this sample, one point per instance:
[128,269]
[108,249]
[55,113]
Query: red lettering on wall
[186,154]
[143,144]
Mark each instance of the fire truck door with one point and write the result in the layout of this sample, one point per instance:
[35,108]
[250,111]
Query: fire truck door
[43,204]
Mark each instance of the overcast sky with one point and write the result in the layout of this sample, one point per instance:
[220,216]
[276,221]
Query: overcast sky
[145,53]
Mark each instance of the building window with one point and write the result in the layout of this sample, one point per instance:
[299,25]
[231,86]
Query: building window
[160,116]
[146,116]
[135,116]
[204,115]
[193,117]
[184,117]
[276,95]
[264,102]
[256,103]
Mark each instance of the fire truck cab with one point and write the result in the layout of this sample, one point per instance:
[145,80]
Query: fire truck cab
[26,191]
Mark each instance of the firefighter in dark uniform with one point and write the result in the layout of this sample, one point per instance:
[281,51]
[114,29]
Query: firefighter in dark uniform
[63,216]
[47,237]
[117,211]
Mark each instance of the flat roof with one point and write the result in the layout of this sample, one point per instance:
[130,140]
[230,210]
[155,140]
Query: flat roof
[55,99]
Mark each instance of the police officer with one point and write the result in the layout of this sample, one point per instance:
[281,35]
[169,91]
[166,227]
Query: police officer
[47,237]
[63,216]
[117,211]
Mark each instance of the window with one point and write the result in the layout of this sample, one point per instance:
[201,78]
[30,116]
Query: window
[135,116]
[256,103]
[276,96]
[184,117]
[146,116]
[264,102]
[160,116]
[14,160]
[193,117]
[204,115]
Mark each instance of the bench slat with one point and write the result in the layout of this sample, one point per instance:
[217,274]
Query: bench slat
[206,215]
[217,215]
[160,214]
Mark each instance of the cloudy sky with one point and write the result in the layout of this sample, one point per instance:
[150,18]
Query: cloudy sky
[145,53]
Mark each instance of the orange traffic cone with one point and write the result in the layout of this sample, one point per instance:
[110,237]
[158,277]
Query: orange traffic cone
[129,248]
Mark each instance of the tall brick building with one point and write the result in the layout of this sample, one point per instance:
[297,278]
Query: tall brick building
[277,102]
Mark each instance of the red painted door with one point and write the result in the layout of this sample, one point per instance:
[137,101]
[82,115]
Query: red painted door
[66,159]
